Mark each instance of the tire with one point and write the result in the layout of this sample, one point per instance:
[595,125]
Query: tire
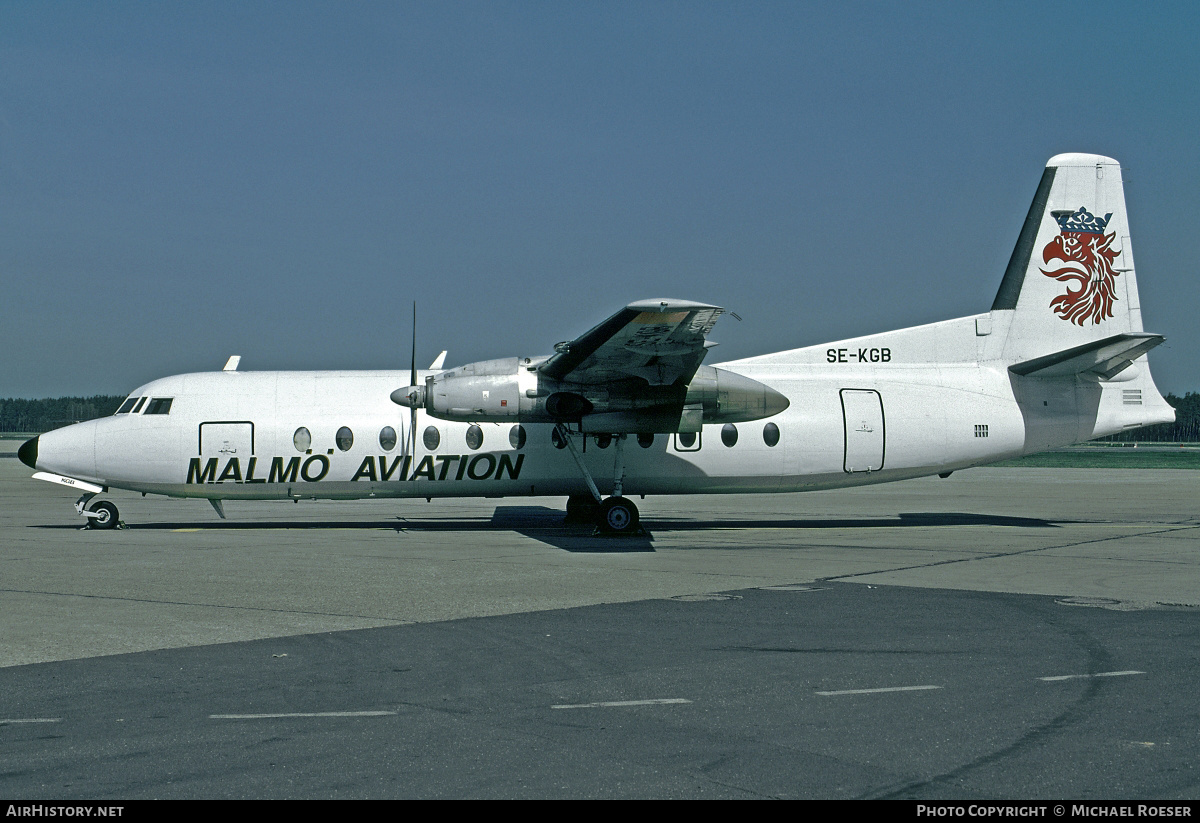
[581,509]
[618,515]
[106,516]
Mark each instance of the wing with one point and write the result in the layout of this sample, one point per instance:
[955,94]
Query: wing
[660,341]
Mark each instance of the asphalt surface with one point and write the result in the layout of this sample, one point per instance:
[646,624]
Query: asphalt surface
[1004,633]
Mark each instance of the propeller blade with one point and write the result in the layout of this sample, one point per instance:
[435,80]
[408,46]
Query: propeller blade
[412,381]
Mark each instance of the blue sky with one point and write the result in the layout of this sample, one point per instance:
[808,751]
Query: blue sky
[184,181]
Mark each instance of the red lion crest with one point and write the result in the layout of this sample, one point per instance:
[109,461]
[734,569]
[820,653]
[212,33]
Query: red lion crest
[1087,259]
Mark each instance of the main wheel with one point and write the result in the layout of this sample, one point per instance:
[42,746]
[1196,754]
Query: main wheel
[618,515]
[106,515]
[581,509]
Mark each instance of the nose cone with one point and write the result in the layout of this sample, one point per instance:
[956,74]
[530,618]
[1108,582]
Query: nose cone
[69,451]
[28,453]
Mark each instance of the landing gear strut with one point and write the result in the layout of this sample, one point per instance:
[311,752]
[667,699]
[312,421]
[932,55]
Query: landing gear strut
[616,515]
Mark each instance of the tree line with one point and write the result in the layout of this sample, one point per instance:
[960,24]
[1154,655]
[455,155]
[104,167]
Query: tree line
[36,416]
[1185,429]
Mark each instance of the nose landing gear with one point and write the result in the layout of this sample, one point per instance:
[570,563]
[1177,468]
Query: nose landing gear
[100,515]
[103,515]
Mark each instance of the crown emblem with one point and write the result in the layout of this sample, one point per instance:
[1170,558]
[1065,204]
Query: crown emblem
[1082,220]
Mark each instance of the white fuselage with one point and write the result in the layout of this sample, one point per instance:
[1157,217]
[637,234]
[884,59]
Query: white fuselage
[919,401]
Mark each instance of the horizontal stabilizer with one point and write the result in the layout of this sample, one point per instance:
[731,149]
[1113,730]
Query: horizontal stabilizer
[1106,358]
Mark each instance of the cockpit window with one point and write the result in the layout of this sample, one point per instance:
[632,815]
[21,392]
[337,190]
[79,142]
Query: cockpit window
[127,406]
[138,407]
[159,405]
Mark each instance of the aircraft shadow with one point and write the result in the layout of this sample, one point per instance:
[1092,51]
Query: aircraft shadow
[545,524]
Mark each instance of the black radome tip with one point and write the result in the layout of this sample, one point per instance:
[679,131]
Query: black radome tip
[28,453]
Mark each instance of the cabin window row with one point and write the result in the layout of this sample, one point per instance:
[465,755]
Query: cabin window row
[686,441]
[431,438]
[344,439]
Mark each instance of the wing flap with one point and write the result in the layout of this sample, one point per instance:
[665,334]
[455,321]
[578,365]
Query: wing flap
[659,341]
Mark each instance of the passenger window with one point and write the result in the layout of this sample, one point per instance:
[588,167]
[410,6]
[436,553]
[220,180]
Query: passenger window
[159,405]
[771,434]
[302,439]
[474,437]
[387,438]
[431,438]
[516,437]
[729,434]
[344,438]
[687,442]
[127,406]
[645,440]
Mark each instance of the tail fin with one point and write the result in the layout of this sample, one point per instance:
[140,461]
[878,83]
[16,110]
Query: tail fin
[1069,303]
[1071,281]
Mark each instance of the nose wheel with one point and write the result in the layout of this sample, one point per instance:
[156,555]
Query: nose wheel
[102,515]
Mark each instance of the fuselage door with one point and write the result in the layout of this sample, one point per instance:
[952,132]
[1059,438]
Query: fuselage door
[862,410]
[227,439]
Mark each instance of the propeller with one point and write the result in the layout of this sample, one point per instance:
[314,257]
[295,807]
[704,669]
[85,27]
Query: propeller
[413,395]
[413,392]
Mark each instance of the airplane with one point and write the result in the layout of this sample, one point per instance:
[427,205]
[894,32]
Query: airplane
[628,408]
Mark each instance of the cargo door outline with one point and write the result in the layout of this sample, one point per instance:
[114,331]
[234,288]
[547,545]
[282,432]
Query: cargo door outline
[864,433]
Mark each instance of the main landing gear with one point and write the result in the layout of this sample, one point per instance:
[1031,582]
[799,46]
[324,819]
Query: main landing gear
[100,515]
[616,515]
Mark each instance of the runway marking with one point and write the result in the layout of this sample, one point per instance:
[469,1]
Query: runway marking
[617,703]
[296,714]
[1082,676]
[881,691]
[7,720]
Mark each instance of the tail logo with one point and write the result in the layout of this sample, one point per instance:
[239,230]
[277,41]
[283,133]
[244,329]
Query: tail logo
[1085,256]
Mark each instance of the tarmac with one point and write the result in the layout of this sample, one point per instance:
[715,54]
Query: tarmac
[1004,632]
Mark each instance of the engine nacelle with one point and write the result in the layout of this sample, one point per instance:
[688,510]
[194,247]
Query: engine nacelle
[512,390]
